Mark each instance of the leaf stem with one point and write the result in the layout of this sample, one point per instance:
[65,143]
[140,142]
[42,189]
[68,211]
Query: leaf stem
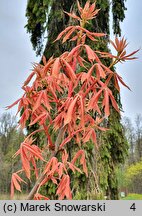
[42,176]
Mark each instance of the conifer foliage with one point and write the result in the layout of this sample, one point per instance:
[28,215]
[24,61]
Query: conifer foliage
[69,95]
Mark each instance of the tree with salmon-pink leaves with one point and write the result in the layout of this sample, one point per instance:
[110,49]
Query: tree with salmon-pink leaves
[68,96]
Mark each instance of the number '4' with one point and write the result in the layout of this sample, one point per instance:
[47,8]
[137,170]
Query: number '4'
[133,207]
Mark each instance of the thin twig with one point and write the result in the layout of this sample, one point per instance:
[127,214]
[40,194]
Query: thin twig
[43,174]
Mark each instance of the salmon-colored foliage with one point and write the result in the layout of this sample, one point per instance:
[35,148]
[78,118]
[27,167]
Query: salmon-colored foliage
[70,98]
[38,196]
[15,183]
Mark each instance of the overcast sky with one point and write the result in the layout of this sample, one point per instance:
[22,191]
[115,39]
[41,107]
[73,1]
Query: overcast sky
[16,55]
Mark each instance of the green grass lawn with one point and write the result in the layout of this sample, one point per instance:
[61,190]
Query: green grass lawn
[133,197]
[16,196]
[23,197]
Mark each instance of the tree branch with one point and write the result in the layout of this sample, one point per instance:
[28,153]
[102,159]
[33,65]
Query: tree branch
[42,176]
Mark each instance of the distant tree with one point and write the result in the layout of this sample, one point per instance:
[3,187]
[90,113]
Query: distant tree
[7,127]
[10,139]
[138,122]
[133,176]
[129,131]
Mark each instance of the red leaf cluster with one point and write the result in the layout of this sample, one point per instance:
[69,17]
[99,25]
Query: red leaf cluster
[15,183]
[70,97]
